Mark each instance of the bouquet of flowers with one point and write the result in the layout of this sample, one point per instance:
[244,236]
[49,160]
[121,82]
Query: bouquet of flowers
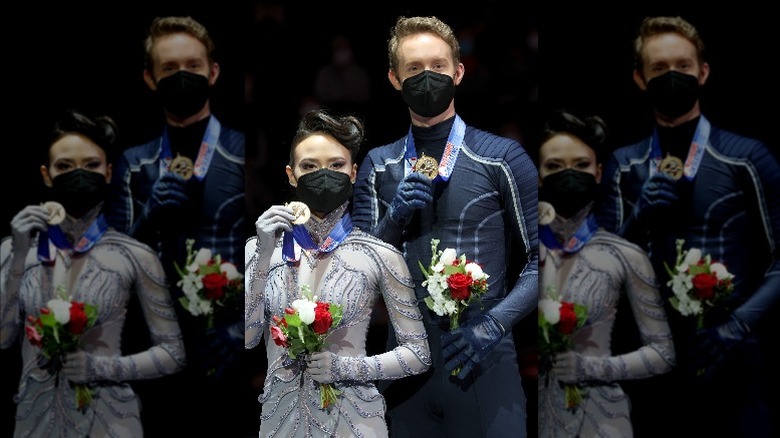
[697,282]
[303,329]
[57,330]
[558,320]
[453,282]
[209,284]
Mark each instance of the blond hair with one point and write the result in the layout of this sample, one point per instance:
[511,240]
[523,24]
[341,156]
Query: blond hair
[408,26]
[164,26]
[652,26]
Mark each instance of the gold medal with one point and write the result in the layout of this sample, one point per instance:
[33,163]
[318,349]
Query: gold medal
[300,211]
[428,166]
[56,212]
[671,166]
[181,166]
[546,213]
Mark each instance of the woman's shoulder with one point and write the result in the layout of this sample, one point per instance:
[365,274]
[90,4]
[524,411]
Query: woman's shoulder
[359,237]
[624,246]
[114,238]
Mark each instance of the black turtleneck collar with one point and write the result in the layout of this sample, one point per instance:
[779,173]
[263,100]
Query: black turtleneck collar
[432,139]
[677,140]
[186,140]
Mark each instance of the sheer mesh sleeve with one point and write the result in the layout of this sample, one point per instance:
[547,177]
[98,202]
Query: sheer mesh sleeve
[11,268]
[166,356]
[656,356]
[254,299]
[412,355]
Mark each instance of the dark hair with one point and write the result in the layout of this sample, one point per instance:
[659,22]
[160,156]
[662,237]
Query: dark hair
[592,130]
[347,130]
[100,130]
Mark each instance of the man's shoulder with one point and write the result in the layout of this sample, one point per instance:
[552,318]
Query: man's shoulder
[490,145]
[731,144]
[385,154]
[149,150]
[232,140]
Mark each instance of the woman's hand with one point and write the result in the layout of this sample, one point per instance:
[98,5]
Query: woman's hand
[31,218]
[567,366]
[321,367]
[270,224]
[76,366]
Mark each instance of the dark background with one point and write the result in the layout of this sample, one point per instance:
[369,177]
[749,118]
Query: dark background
[91,58]
[587,66]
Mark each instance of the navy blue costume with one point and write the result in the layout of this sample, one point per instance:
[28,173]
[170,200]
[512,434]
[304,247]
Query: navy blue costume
[487,210]
[729,209]
[213,214]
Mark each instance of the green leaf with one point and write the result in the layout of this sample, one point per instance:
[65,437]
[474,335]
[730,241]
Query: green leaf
[337,313]
[696,269]
[293,320]
[424,271]
[185,302]
[449,270]
[428,302]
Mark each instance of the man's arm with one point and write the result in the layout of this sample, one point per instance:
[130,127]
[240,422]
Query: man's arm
[386,220]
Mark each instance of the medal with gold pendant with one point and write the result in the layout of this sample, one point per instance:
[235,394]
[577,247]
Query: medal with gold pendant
[182,166]
[671,166]
[428,166]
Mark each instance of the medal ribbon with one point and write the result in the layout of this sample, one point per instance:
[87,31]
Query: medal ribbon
[451,151]
[300,238]
[205,153]
[695,152]
[584,233]
[55,237]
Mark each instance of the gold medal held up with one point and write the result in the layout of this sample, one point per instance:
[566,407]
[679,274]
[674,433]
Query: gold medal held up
[671,166]
[546,213]
[428,166]
[182,166]
[56,212]
[300,211]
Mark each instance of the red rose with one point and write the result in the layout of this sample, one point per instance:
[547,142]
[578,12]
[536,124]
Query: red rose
[278,336]
[568,321]
[78,319]
[33,336]
[322,318]
[704,285]
[459,286]
[214,284]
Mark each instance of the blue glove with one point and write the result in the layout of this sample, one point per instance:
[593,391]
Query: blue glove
[414,192]
[711,345]
[659,192]
[468,344]
[168,192]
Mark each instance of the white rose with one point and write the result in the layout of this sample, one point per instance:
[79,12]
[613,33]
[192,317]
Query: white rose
[476,271]
[305,310]
[720,271]
[692,258]
[60,309]
[448,256]
[551,310]
[230,271]
[201,258]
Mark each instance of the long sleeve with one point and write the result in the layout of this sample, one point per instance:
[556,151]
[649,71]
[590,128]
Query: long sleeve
[656,355]
[12,265]
[412,355]
[370,211]
[166,356]
[520,198]
[123,211]
[257,265]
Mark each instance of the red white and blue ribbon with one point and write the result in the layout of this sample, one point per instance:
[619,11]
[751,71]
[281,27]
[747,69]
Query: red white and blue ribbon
[451,151]
[695,151]
[54,237]
[205,153]
[300,238]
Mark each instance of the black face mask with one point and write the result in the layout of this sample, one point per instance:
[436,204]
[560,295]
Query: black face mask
[428,93]
[673,93]
[79,191]
[183,93]
[568,191]
[324,190]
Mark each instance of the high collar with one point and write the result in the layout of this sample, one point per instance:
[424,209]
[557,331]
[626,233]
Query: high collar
[564,228]
[432,139]
[320,228]
[75,228]
[186,140]
[676,140]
